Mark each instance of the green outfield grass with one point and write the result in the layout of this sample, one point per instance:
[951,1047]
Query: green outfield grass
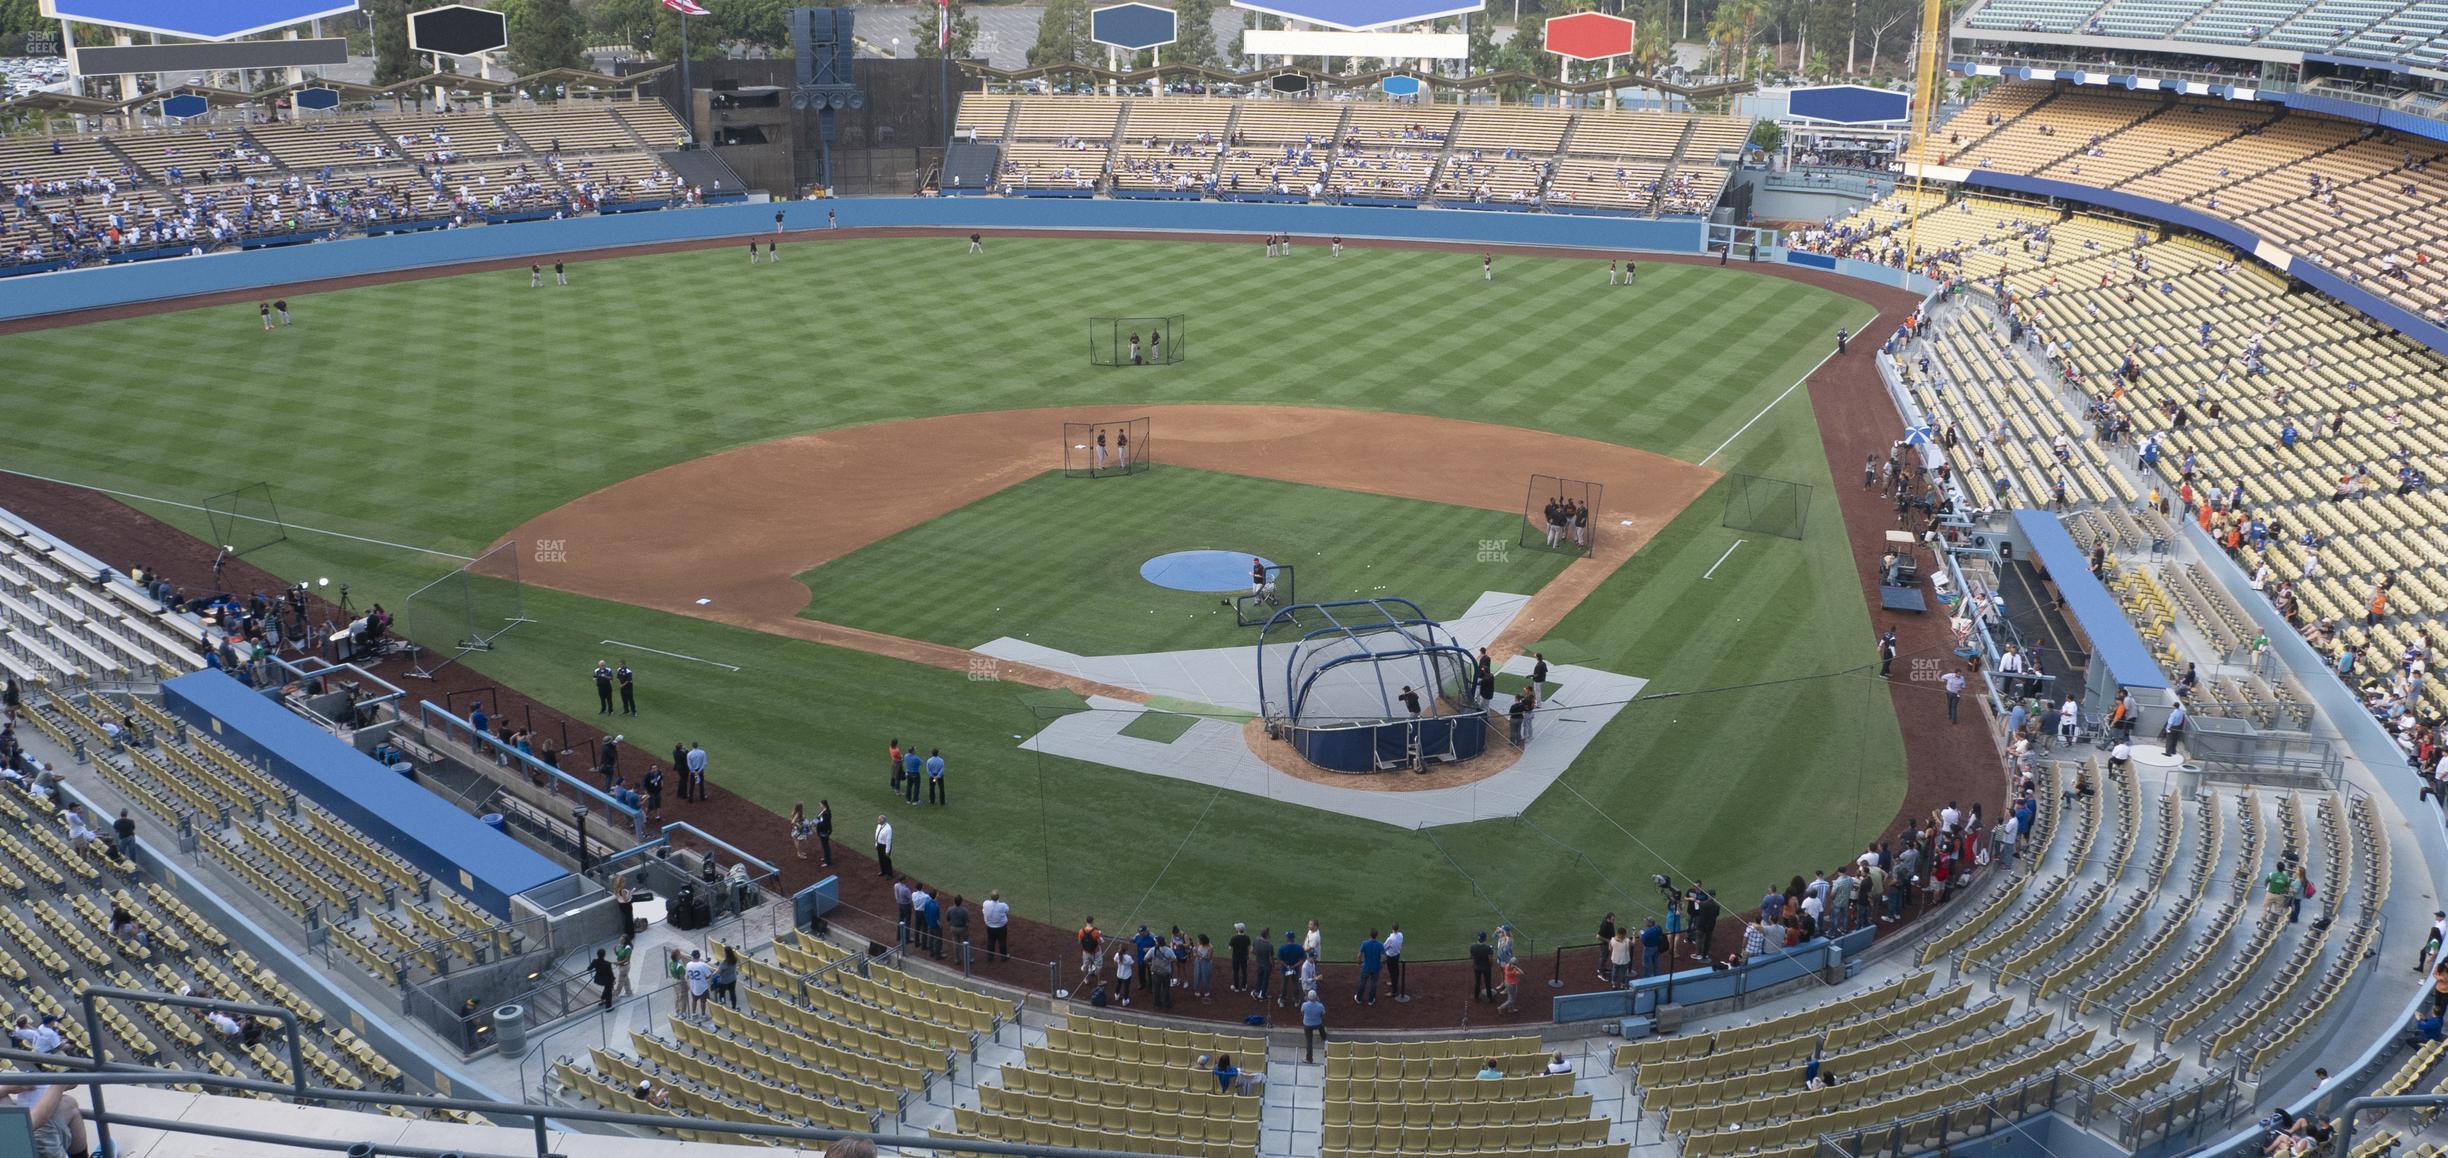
[441,413]
[1056,560]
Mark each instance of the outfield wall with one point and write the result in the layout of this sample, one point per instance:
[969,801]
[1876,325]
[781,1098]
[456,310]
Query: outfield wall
[177,277]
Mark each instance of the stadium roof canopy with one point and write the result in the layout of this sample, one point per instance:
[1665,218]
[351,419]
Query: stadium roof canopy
[1360,15]
[197,19]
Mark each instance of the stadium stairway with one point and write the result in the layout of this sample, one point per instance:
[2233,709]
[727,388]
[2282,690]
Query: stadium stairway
[969,165]
[703,169]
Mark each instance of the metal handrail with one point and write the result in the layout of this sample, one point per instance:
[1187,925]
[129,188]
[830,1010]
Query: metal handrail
[540,1115]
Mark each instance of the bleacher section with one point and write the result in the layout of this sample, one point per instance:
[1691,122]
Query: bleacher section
[1429,1096]
[377,909]
[61,895]
[1279,149]
[1489,156]
[127,194]
[2370,204]
[2222,342]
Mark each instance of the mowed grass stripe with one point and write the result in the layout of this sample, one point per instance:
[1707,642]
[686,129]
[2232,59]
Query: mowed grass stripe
[1056,561]
[444,411]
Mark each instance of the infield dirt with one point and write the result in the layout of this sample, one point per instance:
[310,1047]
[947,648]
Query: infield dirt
[723,537]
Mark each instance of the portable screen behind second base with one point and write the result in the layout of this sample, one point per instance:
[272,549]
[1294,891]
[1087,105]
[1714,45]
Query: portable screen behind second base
[1112,448]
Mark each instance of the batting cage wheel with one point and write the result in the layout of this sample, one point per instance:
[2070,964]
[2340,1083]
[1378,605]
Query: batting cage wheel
[1112,448]
[1138,341]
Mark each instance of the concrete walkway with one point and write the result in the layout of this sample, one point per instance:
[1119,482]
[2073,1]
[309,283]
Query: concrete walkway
[1213,752]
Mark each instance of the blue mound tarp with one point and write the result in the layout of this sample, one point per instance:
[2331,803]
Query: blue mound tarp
[457,849]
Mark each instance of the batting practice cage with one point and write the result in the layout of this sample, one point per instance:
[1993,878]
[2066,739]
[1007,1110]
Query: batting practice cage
[467,609]
[1137,341]
[1277,593]
[1106,449]
[1331,678]
[245,519]
[1561,514]
[1769,506]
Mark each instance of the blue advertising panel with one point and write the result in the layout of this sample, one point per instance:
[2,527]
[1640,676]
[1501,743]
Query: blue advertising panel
[197,19]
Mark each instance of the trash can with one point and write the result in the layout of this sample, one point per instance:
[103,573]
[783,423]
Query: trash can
[494,821]
[510,1029]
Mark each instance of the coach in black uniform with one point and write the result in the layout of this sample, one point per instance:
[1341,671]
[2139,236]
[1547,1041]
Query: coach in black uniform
[603,688]
[628,688]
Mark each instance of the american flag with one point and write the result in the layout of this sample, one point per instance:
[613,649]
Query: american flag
[943,26]
[687,7]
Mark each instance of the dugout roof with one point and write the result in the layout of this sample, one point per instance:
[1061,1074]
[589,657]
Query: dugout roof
[2114,642]
[487,865]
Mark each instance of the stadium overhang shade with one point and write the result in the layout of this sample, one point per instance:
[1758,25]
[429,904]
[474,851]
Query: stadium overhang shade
[1589,36]
[348,90]
[588,78]
[196,19]
[1360,15]
[220,98]
[458,80]
[60,102]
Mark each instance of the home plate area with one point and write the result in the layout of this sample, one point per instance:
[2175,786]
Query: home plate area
[1217,751]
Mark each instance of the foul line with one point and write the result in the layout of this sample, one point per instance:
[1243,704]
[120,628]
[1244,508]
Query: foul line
[673,654]
[1772,404]
[1712,571]
[236,515]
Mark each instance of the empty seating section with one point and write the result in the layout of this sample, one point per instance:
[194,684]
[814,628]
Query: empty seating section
[984,115]
[1154,1090]
[2075,121]
[1172,145]
[58,629]
[1428,1096]
[2034,15]
[2179,132]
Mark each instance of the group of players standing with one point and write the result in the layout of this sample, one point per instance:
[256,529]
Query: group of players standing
[1567,518]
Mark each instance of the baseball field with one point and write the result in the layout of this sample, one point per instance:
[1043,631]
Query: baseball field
[810,486]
